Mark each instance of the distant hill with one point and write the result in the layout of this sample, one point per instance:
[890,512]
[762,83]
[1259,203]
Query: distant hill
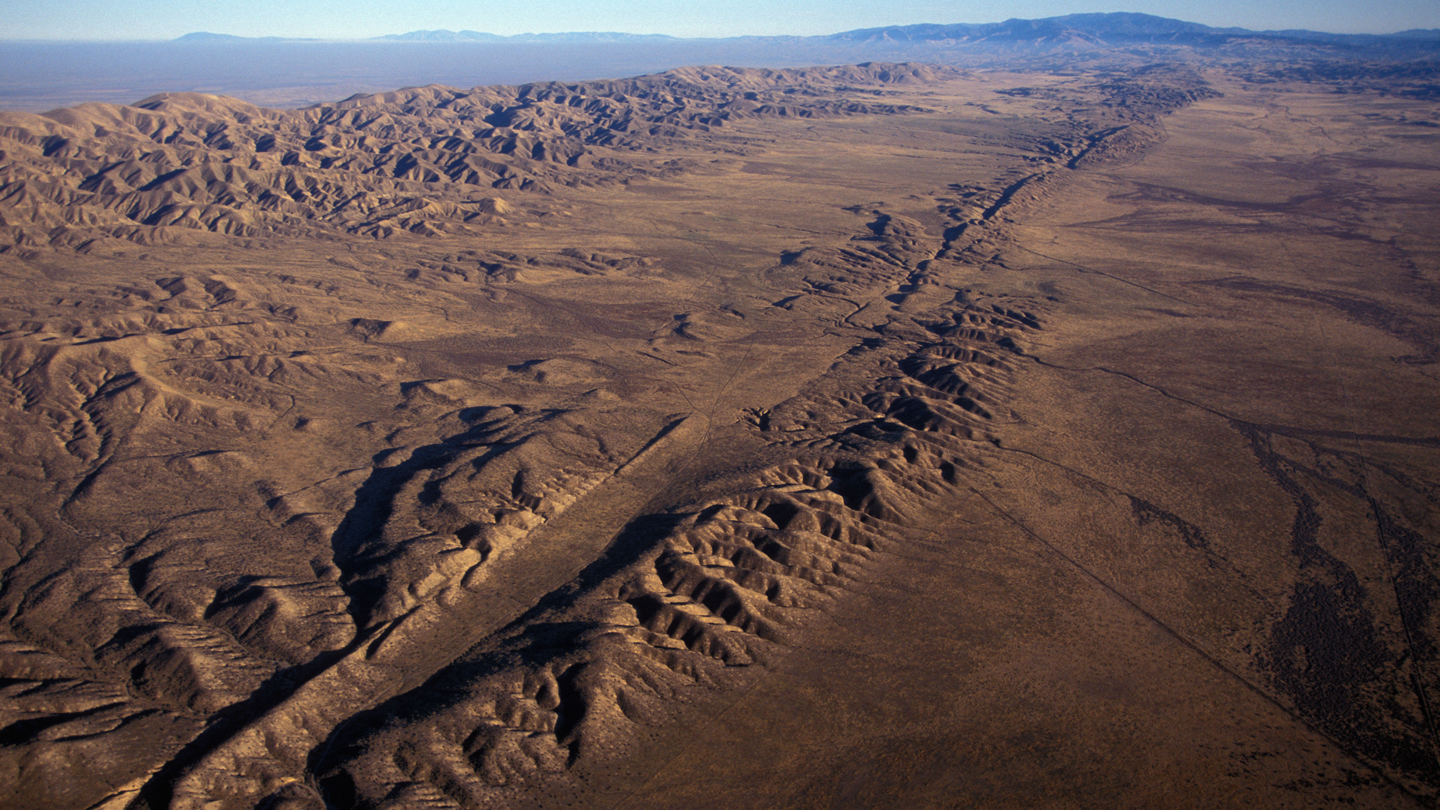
[444,35]
[287,72]
[1068,32]
[1123,29]
[1117,27]
[206,38]
[1071,33]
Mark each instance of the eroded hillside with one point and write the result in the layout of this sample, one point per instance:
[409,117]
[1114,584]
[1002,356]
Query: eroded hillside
[422,160]
[585,443]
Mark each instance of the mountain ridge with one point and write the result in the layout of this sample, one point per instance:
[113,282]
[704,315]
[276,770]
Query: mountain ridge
[1119,23]
[294,73]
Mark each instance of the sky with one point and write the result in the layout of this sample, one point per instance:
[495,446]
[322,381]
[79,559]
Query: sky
[359,19]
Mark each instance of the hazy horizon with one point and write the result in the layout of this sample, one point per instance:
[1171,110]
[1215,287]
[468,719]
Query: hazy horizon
[40,75]
[522,37]
[107,21]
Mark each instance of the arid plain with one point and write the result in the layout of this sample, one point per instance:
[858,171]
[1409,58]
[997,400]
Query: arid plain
[877,436]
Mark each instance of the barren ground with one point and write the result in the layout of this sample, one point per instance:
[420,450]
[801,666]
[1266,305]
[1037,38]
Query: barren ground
[883,437]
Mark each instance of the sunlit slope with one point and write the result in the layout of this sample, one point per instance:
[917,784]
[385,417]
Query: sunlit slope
[589,443]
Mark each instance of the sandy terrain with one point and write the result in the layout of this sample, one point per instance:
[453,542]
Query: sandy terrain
[884,436]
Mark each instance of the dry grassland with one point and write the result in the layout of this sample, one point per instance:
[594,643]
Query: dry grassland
[883,437]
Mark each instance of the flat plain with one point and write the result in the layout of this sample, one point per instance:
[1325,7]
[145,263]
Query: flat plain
[883,436]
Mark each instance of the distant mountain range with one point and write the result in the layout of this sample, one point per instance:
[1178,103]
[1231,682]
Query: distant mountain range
[281,72]
[1036,43]
[443,35]
[1112,29]
[207,38]
[1120,28]
[1096,30]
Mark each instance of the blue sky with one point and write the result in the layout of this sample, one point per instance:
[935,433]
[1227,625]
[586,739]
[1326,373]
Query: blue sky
[355,19]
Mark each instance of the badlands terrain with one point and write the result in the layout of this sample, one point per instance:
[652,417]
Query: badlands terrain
[876,436]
